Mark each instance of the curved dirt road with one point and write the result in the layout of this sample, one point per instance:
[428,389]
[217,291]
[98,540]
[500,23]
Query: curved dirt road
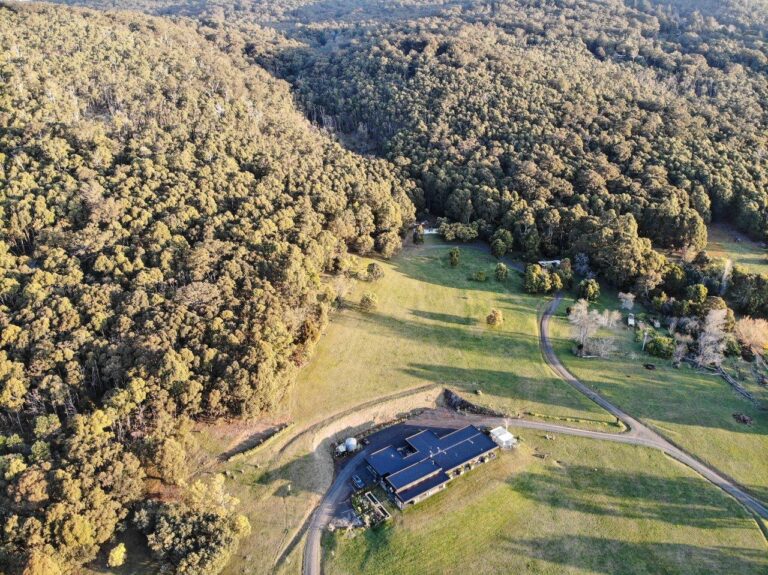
[637,434]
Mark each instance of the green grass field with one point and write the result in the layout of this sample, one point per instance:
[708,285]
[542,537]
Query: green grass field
[722,244]
[693,409]
[430,328]
[589,507]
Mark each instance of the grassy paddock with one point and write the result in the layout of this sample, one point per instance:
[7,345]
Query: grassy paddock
[693,409]
[589,507]
[722,244]
[430,327]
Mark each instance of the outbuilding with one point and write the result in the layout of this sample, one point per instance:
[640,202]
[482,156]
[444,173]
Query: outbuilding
[503,438]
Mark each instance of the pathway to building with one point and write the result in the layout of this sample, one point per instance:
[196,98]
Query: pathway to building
[637,434]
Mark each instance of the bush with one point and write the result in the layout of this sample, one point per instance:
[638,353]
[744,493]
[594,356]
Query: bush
[498,248]
[454,255]
[418,235]
[117,556]
[589,290]
[537,279]
[696,293]
[502,272]
[732,346]
[661,346]
[374,271]
[369,301]
[458,231]
[495,317]
[479,276]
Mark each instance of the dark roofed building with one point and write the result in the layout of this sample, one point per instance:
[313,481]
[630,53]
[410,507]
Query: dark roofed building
[428,462]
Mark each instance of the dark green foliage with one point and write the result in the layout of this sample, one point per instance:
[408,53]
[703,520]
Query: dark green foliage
[375,272]
[479,276]
[589,289]
[418,235]
[537,279]
[458,231]
[696,293]
[193,539]
[732,346]
[749,292]
[454,256]
[502,272]
[660,346]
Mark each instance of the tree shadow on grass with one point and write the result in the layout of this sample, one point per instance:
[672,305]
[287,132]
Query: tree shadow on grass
[507,384]
[488,341]
[682,501]
[444,317]
[377,541]
[611,556]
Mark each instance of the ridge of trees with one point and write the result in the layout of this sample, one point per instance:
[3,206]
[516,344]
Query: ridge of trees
[166,220]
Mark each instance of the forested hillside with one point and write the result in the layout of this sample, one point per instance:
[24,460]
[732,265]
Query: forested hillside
[168,218]
[615,129]
[543,125]
[166,221]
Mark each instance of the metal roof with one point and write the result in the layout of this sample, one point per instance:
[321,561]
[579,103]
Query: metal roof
[432,457]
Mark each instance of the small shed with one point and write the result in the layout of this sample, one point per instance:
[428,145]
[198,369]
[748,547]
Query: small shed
[631,320]
[503,438]
[549,264]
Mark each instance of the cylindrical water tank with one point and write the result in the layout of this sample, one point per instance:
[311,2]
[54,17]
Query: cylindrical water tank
[351,444]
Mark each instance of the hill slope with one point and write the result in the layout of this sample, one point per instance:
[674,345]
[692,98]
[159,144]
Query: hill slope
[166,220]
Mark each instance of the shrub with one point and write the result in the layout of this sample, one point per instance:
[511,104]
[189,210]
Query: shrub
[502,272]
[697,293]
[498,248]
[454,255]
[374,271]
[369,301]
[589,290]
[117,555]
[479,276]
[458,231]
[495,317]
[732,346]
[661,346]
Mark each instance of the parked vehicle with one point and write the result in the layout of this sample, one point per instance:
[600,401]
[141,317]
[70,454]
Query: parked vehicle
[357,482]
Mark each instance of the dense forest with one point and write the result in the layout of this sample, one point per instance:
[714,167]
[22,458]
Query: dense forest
[167,219]
[538,125]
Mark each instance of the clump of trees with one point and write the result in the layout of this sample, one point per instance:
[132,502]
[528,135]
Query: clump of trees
[589,290]
[585,323]
[541,280]
[196,536]
[501,272]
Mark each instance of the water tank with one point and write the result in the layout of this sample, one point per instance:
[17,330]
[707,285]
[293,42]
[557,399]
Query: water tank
[351,444]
